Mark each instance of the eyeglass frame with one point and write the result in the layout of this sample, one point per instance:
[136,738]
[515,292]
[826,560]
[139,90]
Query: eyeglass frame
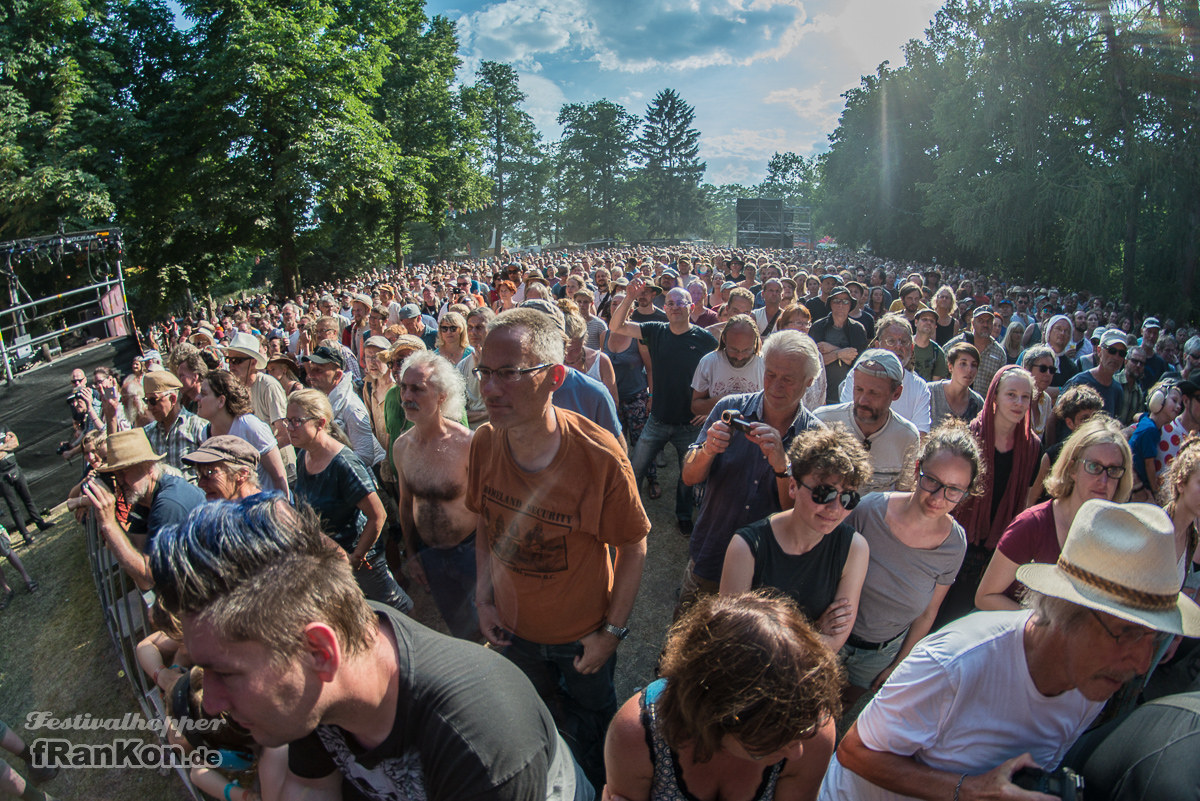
[1106,469]
[509,375]
[1124,639]
[941,487]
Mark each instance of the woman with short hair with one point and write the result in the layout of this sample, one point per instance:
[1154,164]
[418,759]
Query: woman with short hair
[745,707]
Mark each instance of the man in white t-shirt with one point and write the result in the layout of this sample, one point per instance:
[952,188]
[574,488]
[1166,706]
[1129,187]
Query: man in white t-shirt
[877,379]
[996,692]
[735,367]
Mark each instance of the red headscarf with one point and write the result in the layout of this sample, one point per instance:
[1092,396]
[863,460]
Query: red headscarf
[975,514]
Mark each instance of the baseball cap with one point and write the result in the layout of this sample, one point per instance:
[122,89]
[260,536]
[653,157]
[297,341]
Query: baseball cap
[1151,322]
[409,311]
[1113,336]
[326,355]
[981,310]
[925,310]
[881,363]
[223,448]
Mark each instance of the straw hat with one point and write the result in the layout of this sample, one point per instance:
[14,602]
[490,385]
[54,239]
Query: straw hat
[1120,559]
[127,448]
[243,344]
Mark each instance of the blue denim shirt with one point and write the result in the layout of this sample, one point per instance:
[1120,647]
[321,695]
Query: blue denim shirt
[741,484]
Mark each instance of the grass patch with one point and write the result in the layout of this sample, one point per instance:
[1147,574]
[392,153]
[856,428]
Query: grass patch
[56,656]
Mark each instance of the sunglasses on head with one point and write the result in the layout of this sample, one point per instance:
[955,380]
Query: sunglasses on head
[824,493]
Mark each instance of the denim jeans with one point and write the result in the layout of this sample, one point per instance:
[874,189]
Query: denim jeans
[378,584]
[582,705]
[654,438]
[451,576]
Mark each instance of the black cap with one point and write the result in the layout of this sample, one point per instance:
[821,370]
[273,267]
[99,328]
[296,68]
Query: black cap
[326,355]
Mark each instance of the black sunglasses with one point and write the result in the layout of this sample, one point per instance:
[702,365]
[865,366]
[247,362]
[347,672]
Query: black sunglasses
[1046,368]
[1113,350]
[824,493]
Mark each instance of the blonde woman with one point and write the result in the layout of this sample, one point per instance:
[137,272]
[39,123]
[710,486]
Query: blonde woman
[452,341]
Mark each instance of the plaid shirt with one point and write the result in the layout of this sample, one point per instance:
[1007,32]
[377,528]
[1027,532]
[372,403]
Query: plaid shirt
[991,359]
[183,437]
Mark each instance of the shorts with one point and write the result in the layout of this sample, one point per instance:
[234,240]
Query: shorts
[5,542]
[864,664]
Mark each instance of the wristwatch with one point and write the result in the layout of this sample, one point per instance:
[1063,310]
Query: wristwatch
[617,631]
[787,472]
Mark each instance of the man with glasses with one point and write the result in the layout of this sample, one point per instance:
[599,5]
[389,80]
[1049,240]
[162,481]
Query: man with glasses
[1111,358]
[877,382]
[746,471]
[1130,379]
[676,348]
[553,492]
[174,432]
[995,692]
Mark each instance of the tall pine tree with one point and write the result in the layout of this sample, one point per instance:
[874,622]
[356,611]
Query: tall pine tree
[672,201]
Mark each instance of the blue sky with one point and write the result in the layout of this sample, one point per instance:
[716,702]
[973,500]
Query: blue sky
[763,75]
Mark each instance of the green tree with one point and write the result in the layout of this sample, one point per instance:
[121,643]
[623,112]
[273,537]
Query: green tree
[672,201]
[509,142]
[790,177]
[595,161]
[720,211]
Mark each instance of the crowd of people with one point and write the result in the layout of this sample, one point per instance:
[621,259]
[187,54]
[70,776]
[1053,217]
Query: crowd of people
[868,453]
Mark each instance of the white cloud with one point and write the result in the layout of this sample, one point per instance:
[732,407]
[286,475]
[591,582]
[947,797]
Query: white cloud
[743,143]
[543,100]
[865,33]
[813,104]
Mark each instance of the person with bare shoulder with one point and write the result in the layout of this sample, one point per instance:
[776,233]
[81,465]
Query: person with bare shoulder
[745,707]
[431,467]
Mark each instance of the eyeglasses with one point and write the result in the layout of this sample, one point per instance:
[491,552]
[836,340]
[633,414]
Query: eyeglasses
[824,493]
[1138,362]
[507,374]
[296,422]
[933,486]
[1046,368]
[1113,471]
[1128,636]
[893,342]
[1113,350]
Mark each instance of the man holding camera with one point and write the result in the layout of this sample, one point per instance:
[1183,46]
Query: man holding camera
[995,693]
[746,468]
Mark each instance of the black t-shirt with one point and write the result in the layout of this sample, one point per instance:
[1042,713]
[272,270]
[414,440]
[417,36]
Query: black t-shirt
[810,579]
[656,316]
[469,725]
[673,359]
[335,493]
[1001,470]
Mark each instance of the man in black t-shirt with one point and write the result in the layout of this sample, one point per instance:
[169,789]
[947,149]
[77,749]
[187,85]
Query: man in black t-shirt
[361,695]
[676,348]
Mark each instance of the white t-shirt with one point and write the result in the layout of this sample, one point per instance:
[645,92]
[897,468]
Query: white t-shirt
[890,446]
[913,403]
[716,376]
[964,702]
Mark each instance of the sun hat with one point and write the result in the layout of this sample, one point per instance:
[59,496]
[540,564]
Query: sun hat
[224,448]
[127,448]
[243,344]
[1120,558]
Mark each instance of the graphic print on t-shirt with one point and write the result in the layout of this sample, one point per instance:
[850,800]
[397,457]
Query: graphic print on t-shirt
[393,779]
[529,540]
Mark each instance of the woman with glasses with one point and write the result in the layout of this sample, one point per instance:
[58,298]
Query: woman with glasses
[1095,463]
[1010,454]
[745,707]
[225,403]
[1042,364]
[809,552]
[916,548]
[334,481]
[452,342]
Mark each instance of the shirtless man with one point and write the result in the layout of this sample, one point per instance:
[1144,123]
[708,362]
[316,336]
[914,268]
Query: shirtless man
[431,465]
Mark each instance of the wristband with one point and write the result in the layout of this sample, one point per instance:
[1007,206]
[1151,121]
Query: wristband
[958,786]
[229,789]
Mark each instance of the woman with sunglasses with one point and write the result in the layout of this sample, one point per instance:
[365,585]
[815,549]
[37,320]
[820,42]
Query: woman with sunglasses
[1041,363]
[225,403]
[1095,462]
[334,481]
[452,342]
[916,548]
[809,552]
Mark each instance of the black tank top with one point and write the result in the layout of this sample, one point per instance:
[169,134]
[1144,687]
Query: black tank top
[810,579]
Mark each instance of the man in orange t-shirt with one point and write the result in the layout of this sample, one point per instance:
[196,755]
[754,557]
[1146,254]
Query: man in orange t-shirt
[553,491]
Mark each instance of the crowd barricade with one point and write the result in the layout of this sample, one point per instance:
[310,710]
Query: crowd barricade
[126,616]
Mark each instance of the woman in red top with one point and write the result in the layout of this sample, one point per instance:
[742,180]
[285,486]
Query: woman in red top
[1095,463]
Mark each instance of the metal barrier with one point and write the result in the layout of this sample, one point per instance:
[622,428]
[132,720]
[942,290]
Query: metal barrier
[25,325]
[126,616]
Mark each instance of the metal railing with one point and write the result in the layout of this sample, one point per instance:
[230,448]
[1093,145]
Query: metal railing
[127,618]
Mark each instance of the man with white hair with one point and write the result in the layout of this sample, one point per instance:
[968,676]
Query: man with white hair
[676,348]
[431,464]
[995,692]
